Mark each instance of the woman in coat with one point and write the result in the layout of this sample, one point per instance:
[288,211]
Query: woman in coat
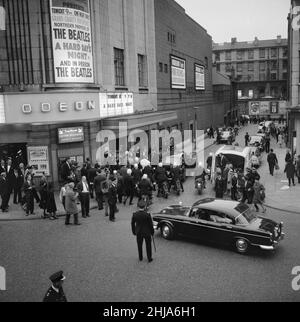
[259,195]
[71,204]
[290,171]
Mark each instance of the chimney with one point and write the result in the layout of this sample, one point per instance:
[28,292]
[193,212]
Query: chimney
[256,41]
[279,39]
[233,41]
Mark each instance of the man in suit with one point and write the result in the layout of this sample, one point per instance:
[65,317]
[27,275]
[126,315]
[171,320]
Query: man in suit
[66,171]
[56,293]
[17,187]
[112,197]
[4,192]
[91,175]
[10,176]
[101,177]
[142,228]
[84,197]
[273,161]
[129,187]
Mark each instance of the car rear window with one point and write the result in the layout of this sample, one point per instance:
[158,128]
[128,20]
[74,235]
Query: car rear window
[241,208]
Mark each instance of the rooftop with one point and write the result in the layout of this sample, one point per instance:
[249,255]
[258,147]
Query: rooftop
[256,43]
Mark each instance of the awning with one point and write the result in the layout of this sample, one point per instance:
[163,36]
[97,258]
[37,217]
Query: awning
[143,121]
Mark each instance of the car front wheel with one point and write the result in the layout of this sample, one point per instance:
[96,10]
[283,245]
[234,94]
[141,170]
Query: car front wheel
[167,232]
[241,246]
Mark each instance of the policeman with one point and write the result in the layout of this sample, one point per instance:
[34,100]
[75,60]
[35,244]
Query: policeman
[56,292]
[142,228]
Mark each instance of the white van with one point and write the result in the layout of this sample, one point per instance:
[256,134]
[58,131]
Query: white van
[237,156]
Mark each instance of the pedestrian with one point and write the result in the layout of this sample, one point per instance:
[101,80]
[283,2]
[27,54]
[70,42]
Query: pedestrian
[4,192]
[129,187]
[280,140]
[219,186]
[288,156]
[66,171]
[247,139]
[10,176]
[259,195]
[91,175]
[17,187]
[273,162]
[56,293]
[62,195]
[50,203]
[101,177]
[298,168]
[43,194]
[268,143]
[234,184]
[290,172]
[71,204]
[29,195]
[112,197]
[142,228]
[2,166]
[84,197]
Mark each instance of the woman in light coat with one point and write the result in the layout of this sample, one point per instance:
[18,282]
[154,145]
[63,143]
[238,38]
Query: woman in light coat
[71,204]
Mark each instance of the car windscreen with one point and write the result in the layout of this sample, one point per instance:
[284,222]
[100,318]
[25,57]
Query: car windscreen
[246,217]
[237,161]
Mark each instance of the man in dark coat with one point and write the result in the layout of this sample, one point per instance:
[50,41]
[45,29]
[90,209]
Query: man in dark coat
[247,139]
[101,177]
[290,171]
[91,175]
[66,170]
[273,161]
[142,228]
[219,187]
[4,192]
[288,156]
[56,293]
[17,186]
[129,187]
[112,197]
[10,176]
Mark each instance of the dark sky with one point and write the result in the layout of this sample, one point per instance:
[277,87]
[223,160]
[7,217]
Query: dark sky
[244,19]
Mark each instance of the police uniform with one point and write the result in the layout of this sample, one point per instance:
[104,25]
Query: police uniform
[55,294]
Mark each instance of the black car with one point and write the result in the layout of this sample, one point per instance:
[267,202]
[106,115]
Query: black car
[219,221]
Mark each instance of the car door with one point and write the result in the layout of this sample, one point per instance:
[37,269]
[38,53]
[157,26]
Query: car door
[221,228]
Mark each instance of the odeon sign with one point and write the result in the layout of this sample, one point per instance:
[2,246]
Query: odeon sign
[61,107]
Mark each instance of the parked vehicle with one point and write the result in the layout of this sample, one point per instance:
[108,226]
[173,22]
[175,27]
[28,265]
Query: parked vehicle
[223,222]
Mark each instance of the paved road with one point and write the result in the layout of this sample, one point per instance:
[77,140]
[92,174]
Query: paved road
[101,262]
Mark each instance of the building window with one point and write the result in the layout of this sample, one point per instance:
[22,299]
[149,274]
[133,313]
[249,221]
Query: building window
[251,93]
[262,53]
[250,67]
[285,52]
[250,78]
[171,37]
[239,94]
[119,67]
[274,52]
[284,76]
[285,64]
[218,67]
[206,62]
[251,54]
[217,57]
[273,76]
[262,77]
[239,68]
[274,65]
[161,67]
[166,68]
[240,55]
[228,55]
[142,69]
[228,68]
[262,66]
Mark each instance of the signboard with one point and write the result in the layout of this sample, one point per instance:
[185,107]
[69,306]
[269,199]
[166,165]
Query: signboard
[199,77]
[38,158]
[2,110]
[178,77]
[115,104]
[70,135]
[254,108]
[264,108]
[72,41]
[274,107]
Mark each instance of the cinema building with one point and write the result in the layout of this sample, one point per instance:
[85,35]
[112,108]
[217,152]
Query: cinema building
[69,69]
